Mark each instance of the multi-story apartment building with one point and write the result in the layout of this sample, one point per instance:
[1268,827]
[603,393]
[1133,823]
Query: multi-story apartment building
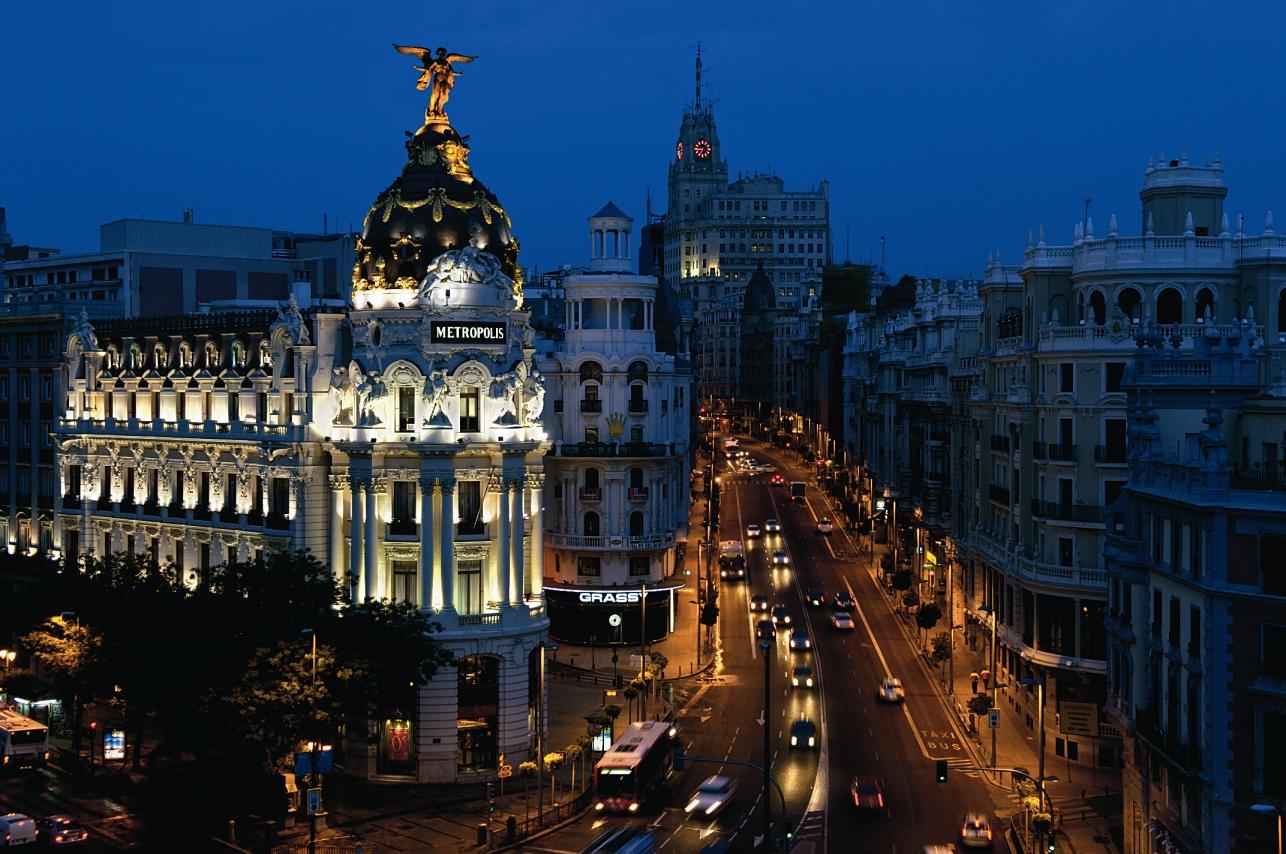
[400,438]
[620,413]
[717,234]
[1196,615]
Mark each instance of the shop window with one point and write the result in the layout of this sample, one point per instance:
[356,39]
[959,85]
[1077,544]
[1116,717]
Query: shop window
[478,710]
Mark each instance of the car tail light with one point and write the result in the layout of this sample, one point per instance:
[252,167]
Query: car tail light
[6,760]
[879,800]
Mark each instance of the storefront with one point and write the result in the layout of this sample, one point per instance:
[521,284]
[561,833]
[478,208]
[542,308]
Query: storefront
[611,615]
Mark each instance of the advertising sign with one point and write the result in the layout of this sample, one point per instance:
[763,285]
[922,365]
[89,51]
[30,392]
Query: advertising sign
[468,332]
[602,741]
[114,744]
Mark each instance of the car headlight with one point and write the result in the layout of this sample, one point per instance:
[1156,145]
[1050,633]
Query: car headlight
[807,643]
[810,683]
[598,806]
[794,681]
[692,804]
[794,741]
[714,806]
[811,741]
[634,807]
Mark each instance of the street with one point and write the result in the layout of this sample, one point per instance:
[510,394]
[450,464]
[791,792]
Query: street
[858,734]
[112,826]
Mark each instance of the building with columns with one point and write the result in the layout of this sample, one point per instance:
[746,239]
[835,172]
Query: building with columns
[619,415]
[400,436]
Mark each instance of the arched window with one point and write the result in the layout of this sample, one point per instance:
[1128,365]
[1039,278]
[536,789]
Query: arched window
[1205,304]
[637,371]
[1170,306]
[591,524]
[477,712]
[185,355]
[591,371]
[113,358]
[135,356]
[211,355]
[1128,301]
[238,354]
[1098,308]
[160,357]
[265,354]
[636,523]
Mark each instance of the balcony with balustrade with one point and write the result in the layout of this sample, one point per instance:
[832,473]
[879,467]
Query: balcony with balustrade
[650,542]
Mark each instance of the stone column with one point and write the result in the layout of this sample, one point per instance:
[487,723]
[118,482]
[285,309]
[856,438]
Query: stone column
[355,539]
[537,536]
[372,539]
[504,546]
[446,565]
[517,591]
[427,582]
[337,526]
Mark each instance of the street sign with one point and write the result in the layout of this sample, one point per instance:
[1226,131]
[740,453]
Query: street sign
[614,620]
[314,801]
[304,761]
[1078,718]
[993,718]
[505,771]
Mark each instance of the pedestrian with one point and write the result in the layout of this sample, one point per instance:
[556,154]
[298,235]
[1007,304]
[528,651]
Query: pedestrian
[973,681]
[986,680]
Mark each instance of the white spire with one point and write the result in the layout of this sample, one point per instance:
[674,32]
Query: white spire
[1076,233]
[1148,231]
[1111,226]
[1089,228]
[1040,235]
[1268,225]
[1187,225]
[1223,226]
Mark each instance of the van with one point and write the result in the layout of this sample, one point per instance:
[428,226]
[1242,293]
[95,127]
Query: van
[797,490]
[16,829]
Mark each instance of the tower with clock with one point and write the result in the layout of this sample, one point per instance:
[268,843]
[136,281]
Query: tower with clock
[697,171]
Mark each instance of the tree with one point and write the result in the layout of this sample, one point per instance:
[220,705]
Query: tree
[630,693]
[979,704]
[941,645]
[70,654]
[527,770]
[553,761]
[927,616]
[584,743]
[572,752]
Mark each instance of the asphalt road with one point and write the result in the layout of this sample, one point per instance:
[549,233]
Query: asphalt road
[111,824]
[858,735]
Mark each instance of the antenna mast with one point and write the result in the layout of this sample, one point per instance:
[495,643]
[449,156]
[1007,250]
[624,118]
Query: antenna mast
[697,103]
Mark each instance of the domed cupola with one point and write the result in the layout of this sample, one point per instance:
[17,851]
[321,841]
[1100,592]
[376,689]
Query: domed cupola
[435,205]
[759,292]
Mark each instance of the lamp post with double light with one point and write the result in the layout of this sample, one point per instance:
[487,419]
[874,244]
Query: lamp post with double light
[1271,809]
[541,712]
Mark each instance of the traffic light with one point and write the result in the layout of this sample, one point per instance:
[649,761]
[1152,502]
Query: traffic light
[1050,847]
[942,770]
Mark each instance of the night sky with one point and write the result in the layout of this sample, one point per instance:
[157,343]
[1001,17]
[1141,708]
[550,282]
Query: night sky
[949,127]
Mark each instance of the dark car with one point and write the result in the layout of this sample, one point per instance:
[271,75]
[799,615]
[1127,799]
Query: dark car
[844,601]
[803,734]
[781,615]
[815,597]
[765,629]
[60,830]
[867,794]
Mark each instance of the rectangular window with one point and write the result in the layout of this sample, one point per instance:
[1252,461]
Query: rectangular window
[1194,633]
[1066,377]
[639,566]
[403,507]
[279,497]
[588,566]
[405,409]
[404,573]
[469,410]
[1272,650]
[1113,373]
[1173,634]
[468,587]
[1156,613]
[469,507]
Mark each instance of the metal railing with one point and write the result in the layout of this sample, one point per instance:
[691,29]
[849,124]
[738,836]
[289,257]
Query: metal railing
[591,406]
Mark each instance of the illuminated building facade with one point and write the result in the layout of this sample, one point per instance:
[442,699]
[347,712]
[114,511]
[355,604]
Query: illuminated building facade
[400,439]
[620,417]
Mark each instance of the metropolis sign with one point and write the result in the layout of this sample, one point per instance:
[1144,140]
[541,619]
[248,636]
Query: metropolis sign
[468,332]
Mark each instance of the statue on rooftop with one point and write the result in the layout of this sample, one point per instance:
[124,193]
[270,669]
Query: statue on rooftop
[437,74]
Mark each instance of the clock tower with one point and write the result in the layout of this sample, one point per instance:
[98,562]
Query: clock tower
[697,171]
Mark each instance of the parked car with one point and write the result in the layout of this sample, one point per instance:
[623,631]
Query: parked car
[803,734]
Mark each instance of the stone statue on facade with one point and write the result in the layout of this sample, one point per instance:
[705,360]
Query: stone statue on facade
[533,398]
[340,392]
[85,331]
[435,394]
[290,318]
[504,393]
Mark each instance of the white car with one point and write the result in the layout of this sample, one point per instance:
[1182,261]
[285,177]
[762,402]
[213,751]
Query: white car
[752,531]
[843,621]
[712,796]
[802,677]
[772,526]
[891,690]
[780,558]
[825,526]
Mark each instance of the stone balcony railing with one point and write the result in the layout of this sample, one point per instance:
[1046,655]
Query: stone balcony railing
[649,542]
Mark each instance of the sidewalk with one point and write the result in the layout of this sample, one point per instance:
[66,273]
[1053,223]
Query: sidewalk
[1087,805]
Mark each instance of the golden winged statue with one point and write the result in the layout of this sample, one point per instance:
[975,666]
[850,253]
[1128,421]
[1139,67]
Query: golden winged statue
[436,74]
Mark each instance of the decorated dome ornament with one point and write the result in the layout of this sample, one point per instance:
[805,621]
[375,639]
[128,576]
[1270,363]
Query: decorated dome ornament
[437,74]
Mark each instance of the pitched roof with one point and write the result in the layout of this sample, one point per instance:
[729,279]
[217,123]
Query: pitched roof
[610,209]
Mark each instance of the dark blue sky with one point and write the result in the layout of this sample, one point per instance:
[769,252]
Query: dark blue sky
[951,128]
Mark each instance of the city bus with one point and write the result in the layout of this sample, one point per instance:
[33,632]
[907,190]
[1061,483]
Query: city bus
[732,559]
[797,490]
[24,743]
[634,768]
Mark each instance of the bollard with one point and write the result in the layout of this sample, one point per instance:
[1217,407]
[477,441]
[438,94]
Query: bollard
[482,833]
[511,828]
[232,831]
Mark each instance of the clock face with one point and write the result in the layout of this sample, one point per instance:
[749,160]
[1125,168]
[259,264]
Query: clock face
[701,149]
[678,150]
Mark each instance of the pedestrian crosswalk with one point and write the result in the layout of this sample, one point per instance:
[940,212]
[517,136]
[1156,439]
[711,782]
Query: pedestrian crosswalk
[812,827]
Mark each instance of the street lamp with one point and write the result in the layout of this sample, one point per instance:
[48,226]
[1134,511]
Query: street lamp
[541,711]
[995,682]
[314,744]
[7,656]
[765,648]
[1039,682]
[1270,809]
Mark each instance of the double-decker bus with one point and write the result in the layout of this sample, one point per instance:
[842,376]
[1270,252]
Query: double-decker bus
[24,743]
[635,766]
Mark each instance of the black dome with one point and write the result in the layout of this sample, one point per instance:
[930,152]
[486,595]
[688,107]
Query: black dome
[759,292]
[434,205]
